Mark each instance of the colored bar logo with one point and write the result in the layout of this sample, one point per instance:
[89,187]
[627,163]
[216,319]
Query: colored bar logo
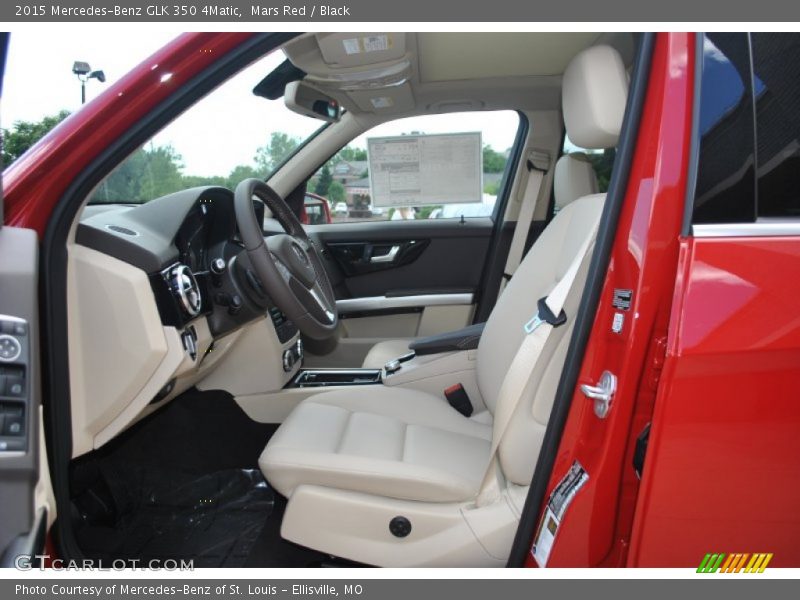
[734,563]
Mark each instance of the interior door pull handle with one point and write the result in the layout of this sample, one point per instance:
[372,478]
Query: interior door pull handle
[386,258]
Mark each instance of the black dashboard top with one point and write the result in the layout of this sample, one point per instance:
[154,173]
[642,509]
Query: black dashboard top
[180,227]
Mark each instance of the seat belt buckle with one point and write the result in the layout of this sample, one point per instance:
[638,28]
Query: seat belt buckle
[545,315]
[457,398]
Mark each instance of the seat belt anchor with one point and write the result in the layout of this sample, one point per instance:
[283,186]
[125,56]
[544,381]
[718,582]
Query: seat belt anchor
[545,315]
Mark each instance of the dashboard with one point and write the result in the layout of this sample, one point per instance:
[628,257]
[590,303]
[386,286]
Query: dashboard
[189,246]
[160,297]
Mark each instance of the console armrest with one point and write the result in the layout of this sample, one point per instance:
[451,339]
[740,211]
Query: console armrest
[452,341]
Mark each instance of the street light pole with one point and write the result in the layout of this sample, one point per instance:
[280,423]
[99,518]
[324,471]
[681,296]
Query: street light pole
[84,73]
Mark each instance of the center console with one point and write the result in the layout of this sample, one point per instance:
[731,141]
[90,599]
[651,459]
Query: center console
[309,378]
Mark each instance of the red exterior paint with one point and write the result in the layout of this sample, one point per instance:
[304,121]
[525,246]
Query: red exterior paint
[596,528]
[315,199]
[34,183]
[722,471]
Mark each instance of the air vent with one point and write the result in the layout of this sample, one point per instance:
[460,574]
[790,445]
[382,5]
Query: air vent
[122,230]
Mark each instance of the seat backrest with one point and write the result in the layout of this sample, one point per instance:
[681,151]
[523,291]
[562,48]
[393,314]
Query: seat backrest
[594,92]
[574,178]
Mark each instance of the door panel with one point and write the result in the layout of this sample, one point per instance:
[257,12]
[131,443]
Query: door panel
[22,525]
[725,427]
[426,280]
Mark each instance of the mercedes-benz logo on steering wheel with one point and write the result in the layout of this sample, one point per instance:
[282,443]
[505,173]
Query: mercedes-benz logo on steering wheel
[300,254]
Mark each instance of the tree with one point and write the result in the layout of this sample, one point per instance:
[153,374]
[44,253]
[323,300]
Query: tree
[240,173]
[24,134]
[190,181]
[492,188]
[603,163]
[324,182]
[336,193]
[493,161]
[349,154]
[146,174]
[280,146]
[162,172]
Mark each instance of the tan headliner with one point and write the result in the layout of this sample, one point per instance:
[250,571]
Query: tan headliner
[449,71]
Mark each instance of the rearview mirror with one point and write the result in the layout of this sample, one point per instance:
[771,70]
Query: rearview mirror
[306,100]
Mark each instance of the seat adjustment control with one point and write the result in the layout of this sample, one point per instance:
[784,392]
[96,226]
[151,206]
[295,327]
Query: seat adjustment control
[10,348]
[400,527]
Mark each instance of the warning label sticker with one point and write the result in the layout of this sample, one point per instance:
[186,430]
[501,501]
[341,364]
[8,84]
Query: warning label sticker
[557,505]
[622,299]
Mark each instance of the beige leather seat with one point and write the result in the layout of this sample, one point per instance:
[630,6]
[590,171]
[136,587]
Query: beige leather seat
[350,461]
[574,178]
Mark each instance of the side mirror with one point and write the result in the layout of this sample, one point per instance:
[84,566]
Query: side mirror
[306,100]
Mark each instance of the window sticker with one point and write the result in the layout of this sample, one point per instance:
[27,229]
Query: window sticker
[420,170]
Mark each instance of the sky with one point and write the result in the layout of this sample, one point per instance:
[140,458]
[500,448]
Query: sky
[223,130]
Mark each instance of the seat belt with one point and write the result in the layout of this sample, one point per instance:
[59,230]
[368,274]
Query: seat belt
[538,164]
[550,314]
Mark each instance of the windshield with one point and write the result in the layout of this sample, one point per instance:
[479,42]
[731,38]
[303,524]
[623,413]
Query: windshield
[228,136]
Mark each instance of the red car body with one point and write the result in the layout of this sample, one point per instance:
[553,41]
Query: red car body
[712,358]
[320,216]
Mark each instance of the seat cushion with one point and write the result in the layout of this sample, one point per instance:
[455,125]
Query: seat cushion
[383,352]
[391,442]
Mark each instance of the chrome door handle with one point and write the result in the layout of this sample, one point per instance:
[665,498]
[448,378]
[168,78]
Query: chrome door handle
[602,393]
[386,258]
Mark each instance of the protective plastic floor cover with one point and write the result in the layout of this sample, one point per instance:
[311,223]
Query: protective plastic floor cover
[212,519]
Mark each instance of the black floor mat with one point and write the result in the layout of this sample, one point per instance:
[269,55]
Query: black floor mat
[184,484]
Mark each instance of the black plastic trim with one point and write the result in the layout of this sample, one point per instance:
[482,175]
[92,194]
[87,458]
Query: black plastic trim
[588,306]
[382,312]
[694,143]
[495,263]
[30,544]
[55,370]
[274,83]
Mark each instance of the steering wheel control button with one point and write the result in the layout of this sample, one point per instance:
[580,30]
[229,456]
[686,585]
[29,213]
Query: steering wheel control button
[400,527]
[10,348]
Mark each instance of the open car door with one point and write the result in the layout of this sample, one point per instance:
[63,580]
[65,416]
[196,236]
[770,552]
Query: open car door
[23,519]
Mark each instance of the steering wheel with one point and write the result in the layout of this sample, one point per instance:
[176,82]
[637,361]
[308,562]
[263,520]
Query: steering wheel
[287,264]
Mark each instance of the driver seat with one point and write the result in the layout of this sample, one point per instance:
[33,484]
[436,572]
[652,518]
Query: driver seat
[389,476]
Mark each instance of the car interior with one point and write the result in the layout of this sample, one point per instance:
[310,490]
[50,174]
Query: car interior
[247,390]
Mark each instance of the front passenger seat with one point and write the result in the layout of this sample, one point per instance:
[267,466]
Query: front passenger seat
[574,178]
[390,476]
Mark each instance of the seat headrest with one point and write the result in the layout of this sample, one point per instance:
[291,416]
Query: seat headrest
[574,178]
[593,94]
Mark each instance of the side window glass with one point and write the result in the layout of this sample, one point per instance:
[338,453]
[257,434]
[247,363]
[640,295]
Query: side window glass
[602,162]
[426,164]
[725,191]
[776,82]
